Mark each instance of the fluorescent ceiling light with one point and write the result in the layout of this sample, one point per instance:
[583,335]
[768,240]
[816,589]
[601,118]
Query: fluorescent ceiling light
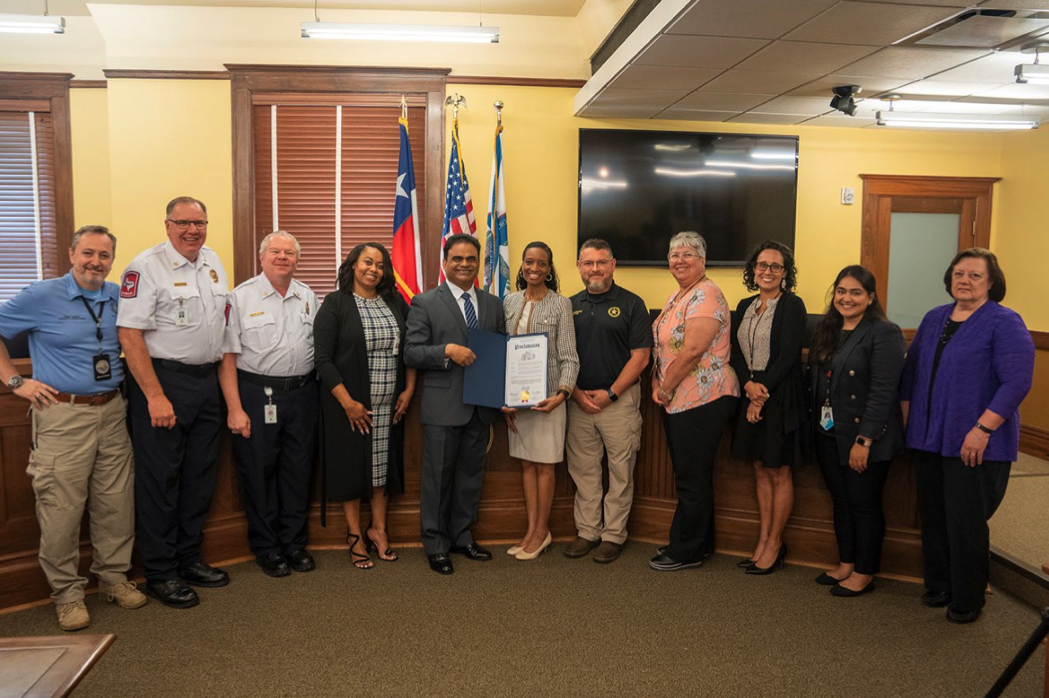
[971,122]
[704,172]
[1038,74]
[400,32]
[32,24]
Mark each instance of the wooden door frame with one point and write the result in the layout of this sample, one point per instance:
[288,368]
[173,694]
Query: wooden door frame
[975,194]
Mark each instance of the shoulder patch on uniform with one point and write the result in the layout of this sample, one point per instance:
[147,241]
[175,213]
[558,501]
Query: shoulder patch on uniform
[129,285]
[228,306]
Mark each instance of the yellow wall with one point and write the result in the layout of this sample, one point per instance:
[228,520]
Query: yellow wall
[89,117]
[169,138]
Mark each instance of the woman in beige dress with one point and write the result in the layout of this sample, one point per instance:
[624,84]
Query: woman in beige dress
[537,435]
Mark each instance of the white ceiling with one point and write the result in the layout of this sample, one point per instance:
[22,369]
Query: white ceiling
[775,62]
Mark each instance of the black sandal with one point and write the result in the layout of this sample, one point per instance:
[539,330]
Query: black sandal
[361,562]
[391,556]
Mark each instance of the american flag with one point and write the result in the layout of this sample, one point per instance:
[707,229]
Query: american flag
[458,209]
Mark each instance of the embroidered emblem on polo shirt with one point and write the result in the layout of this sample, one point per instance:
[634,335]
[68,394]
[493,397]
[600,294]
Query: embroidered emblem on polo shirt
[613,311]
[129,285]
[214,276]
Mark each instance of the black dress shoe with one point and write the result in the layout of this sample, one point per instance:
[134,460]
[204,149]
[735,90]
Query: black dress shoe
[825,580]
[844,593]
[664,563]
[274,565]
[778,564]
[202,575]
[173,592]
[441,564]
[744,564]
[936,599]
[472,551]
[300,560]
[962,617]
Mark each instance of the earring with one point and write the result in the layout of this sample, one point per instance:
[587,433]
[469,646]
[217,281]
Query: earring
[549,277]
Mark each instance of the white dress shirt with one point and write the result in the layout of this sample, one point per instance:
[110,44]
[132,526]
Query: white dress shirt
[271,334]
[458,294]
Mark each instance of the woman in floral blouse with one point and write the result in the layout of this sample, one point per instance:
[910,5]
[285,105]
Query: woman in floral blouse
[694,383]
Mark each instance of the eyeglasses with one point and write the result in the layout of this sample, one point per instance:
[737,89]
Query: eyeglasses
[765,266]
[682,256]
[184,225]
[590,264]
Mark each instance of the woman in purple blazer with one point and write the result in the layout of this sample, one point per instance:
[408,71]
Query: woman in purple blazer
[968,369]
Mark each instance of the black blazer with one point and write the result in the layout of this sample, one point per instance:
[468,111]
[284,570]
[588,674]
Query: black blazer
[782,376]
[341,356]
[864,390]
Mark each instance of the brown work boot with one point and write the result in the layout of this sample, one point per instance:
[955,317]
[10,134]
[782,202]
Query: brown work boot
[607,552]
[125,594]
[580,547]
[72,616]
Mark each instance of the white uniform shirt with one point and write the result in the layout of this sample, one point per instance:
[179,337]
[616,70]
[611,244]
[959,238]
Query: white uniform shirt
[178,304]
[272,335]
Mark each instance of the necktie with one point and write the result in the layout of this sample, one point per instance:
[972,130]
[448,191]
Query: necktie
[471,314]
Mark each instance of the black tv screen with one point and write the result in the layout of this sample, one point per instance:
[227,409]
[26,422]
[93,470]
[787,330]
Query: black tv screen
[638,188]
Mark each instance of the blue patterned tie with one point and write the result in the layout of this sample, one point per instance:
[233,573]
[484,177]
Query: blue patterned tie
[471,315]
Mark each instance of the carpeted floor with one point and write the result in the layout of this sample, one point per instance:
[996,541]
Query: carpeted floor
[549,627]
[1020,525]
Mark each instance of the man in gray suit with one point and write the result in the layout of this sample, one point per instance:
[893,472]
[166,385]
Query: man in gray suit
[454,434]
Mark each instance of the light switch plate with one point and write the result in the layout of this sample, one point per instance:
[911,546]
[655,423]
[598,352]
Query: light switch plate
[847,196]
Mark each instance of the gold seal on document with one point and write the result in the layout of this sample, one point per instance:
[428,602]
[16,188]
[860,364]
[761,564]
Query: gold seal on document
[525,396]
[214,276]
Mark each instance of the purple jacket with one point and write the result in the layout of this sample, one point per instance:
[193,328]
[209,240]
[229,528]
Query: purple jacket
[988,364]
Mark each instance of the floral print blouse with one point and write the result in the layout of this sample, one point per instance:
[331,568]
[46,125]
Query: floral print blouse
[712,377]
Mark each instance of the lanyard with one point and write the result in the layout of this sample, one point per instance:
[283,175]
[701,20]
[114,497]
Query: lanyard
[97,319]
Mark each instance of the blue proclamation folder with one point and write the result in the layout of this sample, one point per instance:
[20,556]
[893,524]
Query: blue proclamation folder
[485,379]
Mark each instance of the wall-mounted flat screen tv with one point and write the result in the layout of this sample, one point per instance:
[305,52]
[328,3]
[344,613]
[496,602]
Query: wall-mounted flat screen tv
[638,188]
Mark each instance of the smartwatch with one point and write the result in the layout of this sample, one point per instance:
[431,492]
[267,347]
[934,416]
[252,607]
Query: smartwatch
[612,395]
[863,441]
[985,430]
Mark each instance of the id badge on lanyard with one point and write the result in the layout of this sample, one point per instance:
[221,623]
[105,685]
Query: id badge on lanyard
[827,412]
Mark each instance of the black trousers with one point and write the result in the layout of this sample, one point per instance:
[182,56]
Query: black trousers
[859,522]
[175,470]
[452,474]
[956,502]
[692,438]
[275,464]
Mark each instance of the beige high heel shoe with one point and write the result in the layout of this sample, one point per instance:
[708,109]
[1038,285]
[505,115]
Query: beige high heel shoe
[514,549]
[539,551]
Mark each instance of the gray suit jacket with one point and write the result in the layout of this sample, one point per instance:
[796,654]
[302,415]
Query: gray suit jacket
[435,321]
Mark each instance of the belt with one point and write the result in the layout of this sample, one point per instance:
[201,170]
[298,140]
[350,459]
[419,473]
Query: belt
[191,369]
[287,383]
[94,400]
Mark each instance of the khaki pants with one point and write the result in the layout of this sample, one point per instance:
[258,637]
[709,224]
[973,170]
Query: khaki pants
[615,430]
[82,453]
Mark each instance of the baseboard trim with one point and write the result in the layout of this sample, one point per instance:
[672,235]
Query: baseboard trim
[1034,441]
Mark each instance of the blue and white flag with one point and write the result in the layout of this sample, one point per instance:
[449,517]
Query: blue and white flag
[496,247]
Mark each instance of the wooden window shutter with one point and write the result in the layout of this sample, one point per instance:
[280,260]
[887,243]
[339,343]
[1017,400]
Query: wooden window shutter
[21,202]
[309,174]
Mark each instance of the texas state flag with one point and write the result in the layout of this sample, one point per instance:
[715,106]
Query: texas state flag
[407,259]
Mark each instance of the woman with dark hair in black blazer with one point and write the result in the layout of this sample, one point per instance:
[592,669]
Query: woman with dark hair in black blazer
[359,353]
[855,362]
[769,330]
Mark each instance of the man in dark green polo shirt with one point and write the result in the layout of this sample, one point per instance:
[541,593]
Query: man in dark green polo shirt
[614,340]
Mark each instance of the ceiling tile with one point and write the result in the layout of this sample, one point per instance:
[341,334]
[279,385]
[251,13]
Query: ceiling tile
[803,57]
[910,62]
[996,67]
[663,77]
[600,112]
[698,51]
[751,118]
[1018,92]
[696,114]
[823,86]
[839,121]
[1015,4]
[721,101]
[945,88]
[795,105]
[940,3]
[762,19]
[657,100]
[871,23]
[755,82]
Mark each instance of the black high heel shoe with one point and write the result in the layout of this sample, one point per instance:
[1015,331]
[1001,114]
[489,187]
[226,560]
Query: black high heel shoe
[780,556]
[387,555]
[360,561]
[744,564]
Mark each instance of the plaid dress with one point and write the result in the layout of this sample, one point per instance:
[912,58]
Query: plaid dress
[381,336]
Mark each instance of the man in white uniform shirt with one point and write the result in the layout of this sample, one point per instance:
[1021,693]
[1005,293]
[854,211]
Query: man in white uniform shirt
[172,323]
[271,394]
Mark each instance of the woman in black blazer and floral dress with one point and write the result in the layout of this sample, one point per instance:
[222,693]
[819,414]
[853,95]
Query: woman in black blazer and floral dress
[855,363]
[768,333]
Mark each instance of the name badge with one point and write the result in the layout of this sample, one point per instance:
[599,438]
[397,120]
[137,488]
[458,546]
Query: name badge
[826,418]
[181,314]
[269,411]
[103,368]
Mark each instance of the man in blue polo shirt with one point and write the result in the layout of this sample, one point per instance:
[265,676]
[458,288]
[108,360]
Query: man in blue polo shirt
[81,451]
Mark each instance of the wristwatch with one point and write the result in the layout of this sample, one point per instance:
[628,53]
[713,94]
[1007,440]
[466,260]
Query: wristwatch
[564,392]
[864,441]
[15,382]
[612,395]
[985,430]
